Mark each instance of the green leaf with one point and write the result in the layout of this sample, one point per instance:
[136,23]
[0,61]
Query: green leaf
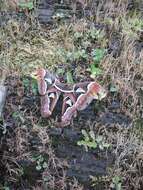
[113,88]
[26,5]
[26,82]
[15,115]
[45,165]
[101,147]
[99,139]
[95,71]
[116,179]
[40,158]
[80,143]
[34,158]
[6,188]
[60,71]
[69,77]
[92,135]
[83,143]
[85,134]
[81,53]
[34,87]
[116,182]
[94,33]
[98,55]
[119,186]
[69,56]
[38,167]
[106,145]
[78,35]
[92,144]
[112,185]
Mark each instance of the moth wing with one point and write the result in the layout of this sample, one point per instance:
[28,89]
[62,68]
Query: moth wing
[42,87]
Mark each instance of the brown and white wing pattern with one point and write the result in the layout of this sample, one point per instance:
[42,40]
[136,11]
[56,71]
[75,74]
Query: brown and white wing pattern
[68,109]
[75,97]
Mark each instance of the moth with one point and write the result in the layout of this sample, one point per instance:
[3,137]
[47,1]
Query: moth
[76,97]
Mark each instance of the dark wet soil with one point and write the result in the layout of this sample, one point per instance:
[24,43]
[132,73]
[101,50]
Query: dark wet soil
[80,163]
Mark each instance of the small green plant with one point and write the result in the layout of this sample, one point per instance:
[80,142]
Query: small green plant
[97,55]
[26,5]
[95,34]
[90,141]
[62,55]
[80,54]
[116,183]
[70,56]
[78,35]
[131,26]
[69,77]
[18,116]
[113,88]
[95,71]
[30,84]
[40,162]
[95,180]
[26,82]
[101,143]
[89,36]
[5,188]
[34,87]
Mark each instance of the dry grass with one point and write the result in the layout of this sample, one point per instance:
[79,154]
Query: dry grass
[24,46]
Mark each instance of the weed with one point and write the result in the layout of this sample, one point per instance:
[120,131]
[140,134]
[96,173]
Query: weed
[69,77]
[101,143]
[113,88]
[78,35]
[90,141]
[95,180]
[40,162]
[26,5]
[97,56]
[95,71]
[18,116]
[80,54]
[116,183]
[132,26]
[30,84]
[89,35]
[5,187]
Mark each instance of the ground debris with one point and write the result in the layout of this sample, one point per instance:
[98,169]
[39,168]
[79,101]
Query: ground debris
[3,92]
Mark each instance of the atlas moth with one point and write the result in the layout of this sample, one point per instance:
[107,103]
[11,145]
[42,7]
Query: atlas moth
[76,97]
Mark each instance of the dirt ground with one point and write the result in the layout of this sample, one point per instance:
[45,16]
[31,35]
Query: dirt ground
[102,148]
